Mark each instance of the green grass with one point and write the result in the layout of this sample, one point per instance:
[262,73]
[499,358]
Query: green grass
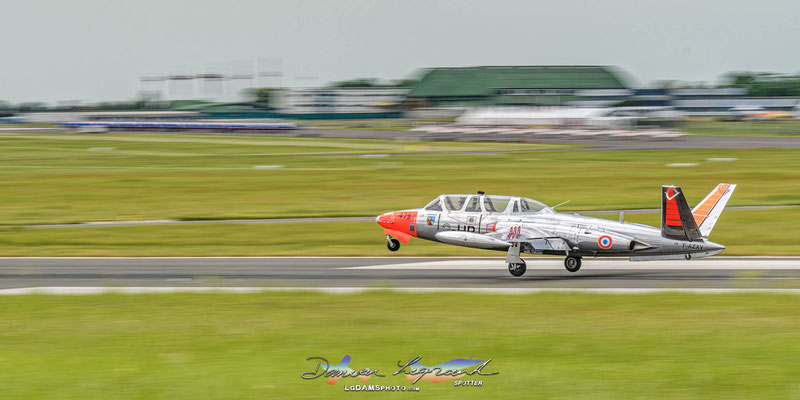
[545,346]
[72,178]
[742,128]
[744,232]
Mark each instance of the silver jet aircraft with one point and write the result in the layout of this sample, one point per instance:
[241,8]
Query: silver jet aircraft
[520,225]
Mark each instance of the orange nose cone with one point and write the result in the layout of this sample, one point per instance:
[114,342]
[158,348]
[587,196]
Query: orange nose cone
[385,220]
[399,221]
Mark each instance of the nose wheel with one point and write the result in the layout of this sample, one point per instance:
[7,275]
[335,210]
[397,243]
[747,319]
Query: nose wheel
[517,269]
[393,244]
[572,263]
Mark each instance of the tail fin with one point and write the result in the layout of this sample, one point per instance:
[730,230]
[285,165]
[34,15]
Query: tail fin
[677,221]
[707,212]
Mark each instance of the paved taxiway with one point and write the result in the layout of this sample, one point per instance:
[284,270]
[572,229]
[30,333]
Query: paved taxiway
[399,272]
[602,143]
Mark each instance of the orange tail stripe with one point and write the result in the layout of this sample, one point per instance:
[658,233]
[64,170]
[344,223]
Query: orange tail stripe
[708,205]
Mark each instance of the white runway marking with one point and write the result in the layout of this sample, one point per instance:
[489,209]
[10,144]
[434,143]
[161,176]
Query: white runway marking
[91,290]
[737,263]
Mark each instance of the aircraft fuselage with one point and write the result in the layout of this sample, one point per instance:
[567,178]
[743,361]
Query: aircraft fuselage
[584,236]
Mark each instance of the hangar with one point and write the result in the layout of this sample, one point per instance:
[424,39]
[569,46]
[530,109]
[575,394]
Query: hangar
[514,85]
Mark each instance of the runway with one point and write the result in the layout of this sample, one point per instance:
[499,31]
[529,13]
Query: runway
[398,272]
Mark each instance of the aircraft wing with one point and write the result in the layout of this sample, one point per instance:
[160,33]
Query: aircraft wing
[539,240]
[549,243]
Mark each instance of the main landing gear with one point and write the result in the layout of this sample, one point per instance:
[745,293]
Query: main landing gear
[572,263]
[517,269]
[393,244]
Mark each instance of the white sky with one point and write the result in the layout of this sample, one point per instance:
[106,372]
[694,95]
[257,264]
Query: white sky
[97,50]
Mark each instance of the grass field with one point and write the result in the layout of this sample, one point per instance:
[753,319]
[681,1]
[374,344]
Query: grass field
[72,178]
[743,128]
[744,232]
[570,346]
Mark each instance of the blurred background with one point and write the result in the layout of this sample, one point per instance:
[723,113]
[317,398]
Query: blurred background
[625,64]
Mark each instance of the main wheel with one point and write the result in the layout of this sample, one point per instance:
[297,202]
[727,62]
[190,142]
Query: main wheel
[393,245]
[572,263]
[517,269]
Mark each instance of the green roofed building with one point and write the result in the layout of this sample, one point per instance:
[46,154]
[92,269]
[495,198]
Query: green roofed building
[514,85]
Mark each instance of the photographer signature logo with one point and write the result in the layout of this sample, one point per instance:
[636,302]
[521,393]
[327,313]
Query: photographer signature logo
[413,369]
[448,370]
[338,371]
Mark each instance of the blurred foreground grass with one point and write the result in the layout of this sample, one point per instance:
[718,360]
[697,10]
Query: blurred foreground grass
[744,232]
[570,346]
[62,178]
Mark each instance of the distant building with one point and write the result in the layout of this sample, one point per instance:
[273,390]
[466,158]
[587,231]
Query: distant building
[575,86]
[583,117]
[332,100]
[694,102]
[52,117]
[601,97]
[312,103]
[514,85]
[725,102]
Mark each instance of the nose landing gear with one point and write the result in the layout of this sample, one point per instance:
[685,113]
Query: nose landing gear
[572,263]
[517,269]
[393,244]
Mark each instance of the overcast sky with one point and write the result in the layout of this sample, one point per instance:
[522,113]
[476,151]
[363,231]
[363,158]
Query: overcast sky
[98,50]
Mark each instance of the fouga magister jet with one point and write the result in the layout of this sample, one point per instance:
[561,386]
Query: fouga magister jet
[520,225]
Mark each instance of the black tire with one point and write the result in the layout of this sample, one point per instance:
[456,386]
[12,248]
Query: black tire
[517,269]
[393,245]
[572,263]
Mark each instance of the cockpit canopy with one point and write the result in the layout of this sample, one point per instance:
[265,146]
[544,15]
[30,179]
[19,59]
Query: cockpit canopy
[485,203]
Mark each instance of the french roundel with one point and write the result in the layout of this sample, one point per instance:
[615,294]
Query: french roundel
[605,242]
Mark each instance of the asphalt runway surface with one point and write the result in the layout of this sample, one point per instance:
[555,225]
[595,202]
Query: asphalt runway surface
[396,272]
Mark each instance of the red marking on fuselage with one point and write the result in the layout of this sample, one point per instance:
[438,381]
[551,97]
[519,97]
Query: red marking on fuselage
[400,221]
[514,232]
